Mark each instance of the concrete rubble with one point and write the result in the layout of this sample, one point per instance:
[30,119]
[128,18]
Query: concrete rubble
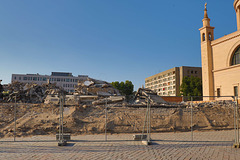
[143,94]
[30,92]
[96,87]
[88,91]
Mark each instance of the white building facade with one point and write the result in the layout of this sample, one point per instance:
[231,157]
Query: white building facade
[62,79]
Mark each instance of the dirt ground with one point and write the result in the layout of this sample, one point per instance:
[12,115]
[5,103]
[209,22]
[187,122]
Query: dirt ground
[42,119]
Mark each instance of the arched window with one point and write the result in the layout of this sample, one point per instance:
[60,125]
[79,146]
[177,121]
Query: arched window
[203,37]
[236,57]
[210,36]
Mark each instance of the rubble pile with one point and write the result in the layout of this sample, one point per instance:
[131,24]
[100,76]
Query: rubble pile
[143,94]
[96,87]
[30,92]
[97,92]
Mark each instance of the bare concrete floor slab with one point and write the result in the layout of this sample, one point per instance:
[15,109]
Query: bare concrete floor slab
[206,145]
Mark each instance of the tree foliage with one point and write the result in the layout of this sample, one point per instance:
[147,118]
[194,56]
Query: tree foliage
[125,89]
[191,86]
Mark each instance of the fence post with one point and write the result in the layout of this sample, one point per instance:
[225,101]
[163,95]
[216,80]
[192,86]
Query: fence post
[237,120]
[149,120]
[191,118]
[235,132]
[60,118]
[106,121]
[15,118]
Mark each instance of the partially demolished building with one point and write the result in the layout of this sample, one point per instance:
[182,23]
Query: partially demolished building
[62,79]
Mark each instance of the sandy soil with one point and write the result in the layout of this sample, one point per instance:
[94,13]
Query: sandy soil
[41,119]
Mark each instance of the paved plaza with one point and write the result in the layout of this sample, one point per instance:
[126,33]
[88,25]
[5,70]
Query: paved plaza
[206,145]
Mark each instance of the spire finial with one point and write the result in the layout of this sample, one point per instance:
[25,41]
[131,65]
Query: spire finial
[205,11]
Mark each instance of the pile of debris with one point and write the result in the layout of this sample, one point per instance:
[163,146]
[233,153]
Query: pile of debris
[89,91]
[143,95]
[95,87]
[97,92]
[30,92]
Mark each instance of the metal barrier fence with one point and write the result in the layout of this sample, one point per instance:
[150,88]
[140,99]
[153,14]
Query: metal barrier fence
[19,120]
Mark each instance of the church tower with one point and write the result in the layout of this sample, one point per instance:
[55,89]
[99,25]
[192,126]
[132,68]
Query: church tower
[207,35]
[236,6]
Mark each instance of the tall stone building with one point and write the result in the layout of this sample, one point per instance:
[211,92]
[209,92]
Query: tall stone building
[168,83]
[220,60]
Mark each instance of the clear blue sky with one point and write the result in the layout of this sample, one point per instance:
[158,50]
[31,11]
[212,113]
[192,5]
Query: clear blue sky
[111,40]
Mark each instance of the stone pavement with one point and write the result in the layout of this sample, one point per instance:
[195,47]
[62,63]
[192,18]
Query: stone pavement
[206,145]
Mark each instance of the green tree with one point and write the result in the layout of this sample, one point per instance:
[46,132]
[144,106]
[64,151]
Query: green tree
[191,86]
[125,89]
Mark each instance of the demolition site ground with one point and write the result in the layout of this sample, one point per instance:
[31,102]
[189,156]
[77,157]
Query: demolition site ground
[43,119]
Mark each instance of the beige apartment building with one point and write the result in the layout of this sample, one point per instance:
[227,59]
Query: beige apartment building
[220,60]
[168,83]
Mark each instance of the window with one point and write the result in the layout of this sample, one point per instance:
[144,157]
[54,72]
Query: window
[44,79]
[218,92]
[19,78]
[195,72]
[209,36]
[34,78]
[24,78]
[203,37]
[236,57]
[235,91]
